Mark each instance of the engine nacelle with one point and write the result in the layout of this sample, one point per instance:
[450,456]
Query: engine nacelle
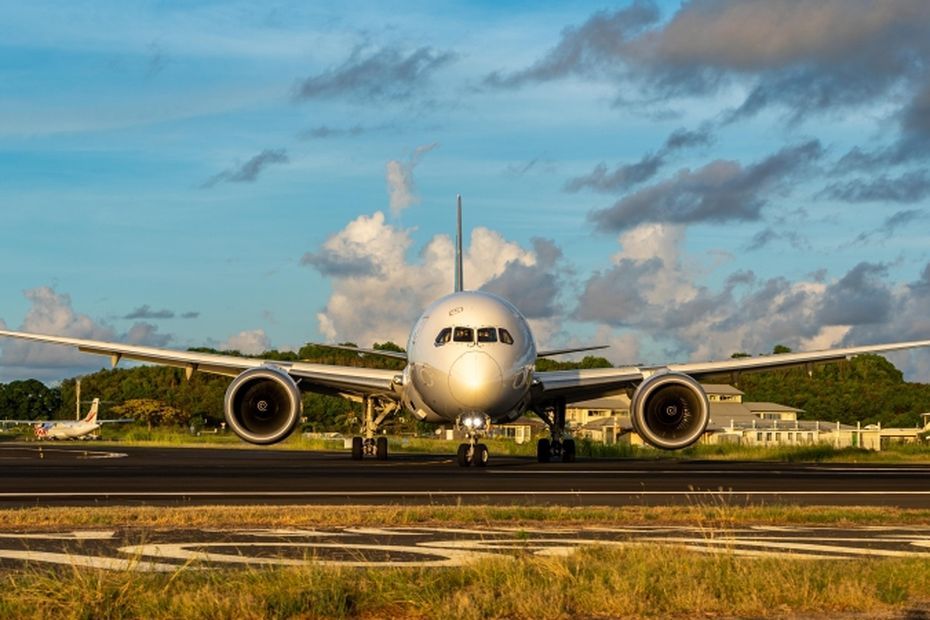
[263,405]
[670,410]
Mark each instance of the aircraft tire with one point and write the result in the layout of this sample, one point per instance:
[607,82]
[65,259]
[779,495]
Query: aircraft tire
[462,455]
[481,455]
[356,448]
[381,448]
[568,451]
[543,450]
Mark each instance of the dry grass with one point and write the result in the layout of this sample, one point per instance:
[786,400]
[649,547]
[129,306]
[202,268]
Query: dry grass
[636,582]
[711,515]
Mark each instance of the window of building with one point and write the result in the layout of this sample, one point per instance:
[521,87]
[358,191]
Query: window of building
[444,336]
[758,436]
[506,338]
[463,334]
[487,334]
[768,436]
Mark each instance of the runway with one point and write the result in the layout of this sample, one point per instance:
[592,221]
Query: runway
[95,474]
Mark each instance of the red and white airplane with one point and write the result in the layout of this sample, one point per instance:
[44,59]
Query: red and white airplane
[470,361]
[67,429]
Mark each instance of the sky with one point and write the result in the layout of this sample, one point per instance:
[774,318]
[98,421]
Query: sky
[680,181]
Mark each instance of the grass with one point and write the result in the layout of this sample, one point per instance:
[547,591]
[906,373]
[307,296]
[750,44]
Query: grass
[634,581]
[815,453]
[706,515]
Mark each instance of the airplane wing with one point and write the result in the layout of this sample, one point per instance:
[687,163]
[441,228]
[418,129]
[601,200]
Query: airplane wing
[314,377]
[15,422]
[584,384]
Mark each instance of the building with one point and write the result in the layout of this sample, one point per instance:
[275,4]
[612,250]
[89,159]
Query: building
[607,420]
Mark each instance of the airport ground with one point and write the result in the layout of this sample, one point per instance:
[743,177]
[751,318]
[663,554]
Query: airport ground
[166,532]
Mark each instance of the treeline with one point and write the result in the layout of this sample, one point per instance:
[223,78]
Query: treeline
[868,388]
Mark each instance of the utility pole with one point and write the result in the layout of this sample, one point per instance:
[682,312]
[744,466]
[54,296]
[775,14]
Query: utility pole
[77,399]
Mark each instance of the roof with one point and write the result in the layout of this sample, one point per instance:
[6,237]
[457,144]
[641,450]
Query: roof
[721,388]
[616,403]
[771,407]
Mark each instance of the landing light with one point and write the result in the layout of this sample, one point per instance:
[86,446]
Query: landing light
[473,421]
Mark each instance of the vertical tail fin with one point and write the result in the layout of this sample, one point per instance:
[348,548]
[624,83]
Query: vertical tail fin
[459,285]
[92,414]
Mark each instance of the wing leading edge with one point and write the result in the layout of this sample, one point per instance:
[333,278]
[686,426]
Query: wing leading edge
[315,377]
[584,384]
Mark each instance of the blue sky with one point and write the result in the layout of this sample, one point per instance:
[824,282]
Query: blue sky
[680,181]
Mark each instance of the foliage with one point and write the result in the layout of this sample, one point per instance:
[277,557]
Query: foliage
[152,412]
[28,400]
[544,364]
[867,388]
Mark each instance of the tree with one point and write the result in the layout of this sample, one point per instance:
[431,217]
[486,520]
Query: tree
[152,412]
[780,348]
[739,355]
[29,400]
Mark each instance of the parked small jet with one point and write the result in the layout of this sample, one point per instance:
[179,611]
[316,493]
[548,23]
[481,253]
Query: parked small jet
[470,362]
[68,429]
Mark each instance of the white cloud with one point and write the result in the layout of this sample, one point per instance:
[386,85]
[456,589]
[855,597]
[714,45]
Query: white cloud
[381,301]
[249,342]
[401,188]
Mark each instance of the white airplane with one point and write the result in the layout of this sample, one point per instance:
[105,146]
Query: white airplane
[67,429]
[470,361]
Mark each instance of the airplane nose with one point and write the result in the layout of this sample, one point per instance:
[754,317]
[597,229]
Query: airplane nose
[475,380]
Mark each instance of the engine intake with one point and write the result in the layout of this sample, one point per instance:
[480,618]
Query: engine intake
[670,410]
[263,405]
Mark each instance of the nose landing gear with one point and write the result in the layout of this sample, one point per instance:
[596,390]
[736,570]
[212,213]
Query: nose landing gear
[474,453]
[559,445]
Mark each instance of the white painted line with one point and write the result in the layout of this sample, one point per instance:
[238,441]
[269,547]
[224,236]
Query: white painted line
[76,535]
[89,561]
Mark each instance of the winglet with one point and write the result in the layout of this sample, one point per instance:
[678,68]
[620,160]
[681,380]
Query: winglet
[459,285]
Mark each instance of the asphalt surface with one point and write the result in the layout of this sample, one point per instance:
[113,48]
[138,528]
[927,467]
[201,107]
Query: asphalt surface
[168,550]
[96,473]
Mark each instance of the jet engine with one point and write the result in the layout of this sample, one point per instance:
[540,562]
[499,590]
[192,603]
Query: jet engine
[263,405]
[670,410]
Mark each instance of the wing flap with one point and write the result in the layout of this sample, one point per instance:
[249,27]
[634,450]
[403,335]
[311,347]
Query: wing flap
[585,383]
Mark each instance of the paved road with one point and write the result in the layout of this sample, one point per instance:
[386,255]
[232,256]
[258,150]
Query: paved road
[81,474]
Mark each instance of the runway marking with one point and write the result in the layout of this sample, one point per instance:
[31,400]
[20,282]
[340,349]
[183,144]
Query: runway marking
[87,561]
[77,535]
[445,557]
[450,546]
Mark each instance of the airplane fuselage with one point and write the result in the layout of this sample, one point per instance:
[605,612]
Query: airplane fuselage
[469,353]
[61,430]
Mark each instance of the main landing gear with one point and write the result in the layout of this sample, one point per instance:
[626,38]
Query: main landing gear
[559,445]
[473,453]
[368,444]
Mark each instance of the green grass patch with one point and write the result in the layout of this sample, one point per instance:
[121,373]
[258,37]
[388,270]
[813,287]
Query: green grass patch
[594,582]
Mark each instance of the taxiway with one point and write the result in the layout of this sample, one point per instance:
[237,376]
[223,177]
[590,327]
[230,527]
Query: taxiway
[94,474]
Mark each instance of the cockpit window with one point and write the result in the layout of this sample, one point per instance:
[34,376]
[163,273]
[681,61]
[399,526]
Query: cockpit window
[506,338]
[444,336]
[487,334]
[463,334]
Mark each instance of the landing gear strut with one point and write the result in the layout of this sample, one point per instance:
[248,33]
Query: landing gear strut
[368,444]
[473,452]
[559,445]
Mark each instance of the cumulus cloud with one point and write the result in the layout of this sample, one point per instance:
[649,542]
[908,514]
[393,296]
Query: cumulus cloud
[721,191]
[249,342]
[534,288]
[382,302]
[401,188]
[376,75]
[652,293]
[249,171]
[51,312]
